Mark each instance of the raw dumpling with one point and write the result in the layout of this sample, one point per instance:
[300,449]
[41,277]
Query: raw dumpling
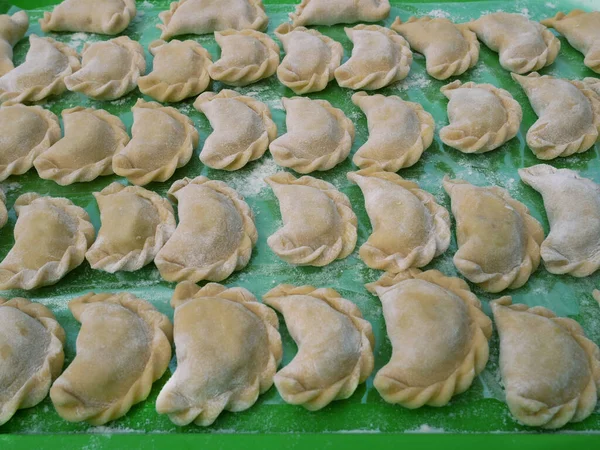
[92,137]
[3,210]
[162,140]
[568,115]
[215,235]
[331,12]
[246,57]
[550,369]
[310,59]
[523,45]
[26,132]
[207,16]
[482,117]
[228,349]
[109,69]
[42,74]
[242,126]
[136,223]
[318,136]
[123,346]
[399,132]
[409,227]
[12,30]
[90,16]
[319,225]
[450,49]
[51,238]
[335,345]
[498,240]
[380,56]
[439,337]
[180,70]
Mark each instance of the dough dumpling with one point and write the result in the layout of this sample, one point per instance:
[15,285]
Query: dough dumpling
[12,30]
[332,12]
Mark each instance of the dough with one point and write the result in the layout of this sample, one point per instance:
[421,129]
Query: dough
[593,84]
[331,12]
[3,210]
[12,30]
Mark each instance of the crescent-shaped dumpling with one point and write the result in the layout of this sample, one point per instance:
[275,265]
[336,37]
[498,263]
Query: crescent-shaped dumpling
[332,12]
[12,30]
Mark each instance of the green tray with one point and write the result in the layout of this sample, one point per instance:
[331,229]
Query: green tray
[272,422]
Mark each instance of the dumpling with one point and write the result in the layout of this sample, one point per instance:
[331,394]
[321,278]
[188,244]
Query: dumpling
[550,369]
[242,126]
[568,115]
[335,345]
[331,12]
[498,240]
[246,57]
[593,84]
[380,56]
[26,132]
[51,238]
[207,16]
[482,117]
[123,346]
[163,139]
[3,210]
[180,70]
[136,223]
[399,132]
[109,69]
[582,30]
[90,16]
[450,49]
[319,225]
[228,348]
[523,45]
[409,227]
[92,137]
[215,235]
[310,58]
[12,30]
[439,337]
[318,137]
[42,74]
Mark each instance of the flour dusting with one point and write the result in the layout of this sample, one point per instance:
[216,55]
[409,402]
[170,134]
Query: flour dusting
[415,81]
[251,184]
[439,14]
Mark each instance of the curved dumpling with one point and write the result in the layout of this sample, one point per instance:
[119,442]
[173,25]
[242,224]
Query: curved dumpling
[331,12]
[90,16]
[335,345]
[92,137]
[498,240]
[215,235]
[242,126]
[380,56]
[319,225]
[42,74]
[399,132]
[26,132]
[207,16]
[482,117]
[450,49]
[12,30]
[439,337]
[123,346]
[318,136]
[409,227]
[550,369]
[136,223]
[228,349]
[51,238]
[180,70]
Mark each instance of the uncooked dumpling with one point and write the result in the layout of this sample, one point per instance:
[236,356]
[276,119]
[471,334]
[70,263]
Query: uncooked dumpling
[335,345]
[399,132]
[550,369]
[92,137]
[136,223]
[568,115]
[439,337]
[242,126]
[51,238]
[498,240]
[380,56]
[409,227]
[318,136]
[12,30]
[482,117]
[215,235]
[228,349]
[123,346]
[331,12]
[319,225]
